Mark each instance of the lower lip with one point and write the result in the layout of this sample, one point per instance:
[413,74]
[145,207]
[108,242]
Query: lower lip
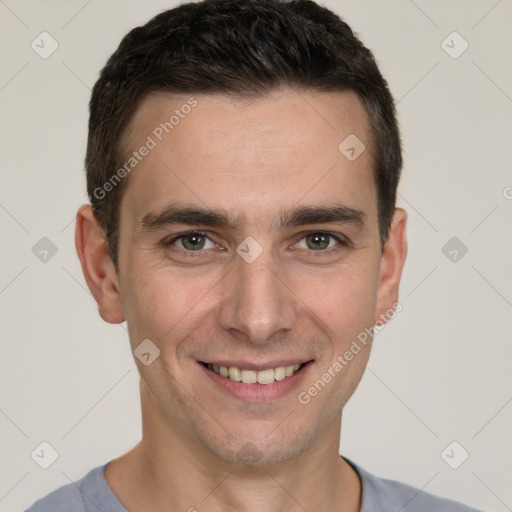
[258,392]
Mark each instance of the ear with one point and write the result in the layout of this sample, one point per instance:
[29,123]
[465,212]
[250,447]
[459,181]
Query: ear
[392,263]
[98,269]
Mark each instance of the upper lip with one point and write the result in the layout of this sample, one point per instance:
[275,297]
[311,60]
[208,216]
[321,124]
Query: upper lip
[257,366]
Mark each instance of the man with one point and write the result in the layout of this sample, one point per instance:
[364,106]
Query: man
[242,165]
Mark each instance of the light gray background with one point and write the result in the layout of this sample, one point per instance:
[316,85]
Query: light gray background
[440,372]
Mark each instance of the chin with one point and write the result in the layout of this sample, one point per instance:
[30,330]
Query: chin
[258,449]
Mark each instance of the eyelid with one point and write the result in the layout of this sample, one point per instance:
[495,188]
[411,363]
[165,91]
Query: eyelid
[341,239]
[185,233]
[338,236]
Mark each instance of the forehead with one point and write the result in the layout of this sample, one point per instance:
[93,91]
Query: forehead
[252,156]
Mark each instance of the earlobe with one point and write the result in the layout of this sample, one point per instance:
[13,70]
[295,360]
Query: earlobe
[97,266]
[392,263]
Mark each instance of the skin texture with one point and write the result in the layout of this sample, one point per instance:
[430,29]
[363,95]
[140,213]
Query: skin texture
[250,160]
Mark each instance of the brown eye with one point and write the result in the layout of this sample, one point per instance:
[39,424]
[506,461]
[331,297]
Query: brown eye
[193,241]
[318,241]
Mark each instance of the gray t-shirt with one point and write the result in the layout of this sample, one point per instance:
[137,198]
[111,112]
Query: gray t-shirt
[92,494]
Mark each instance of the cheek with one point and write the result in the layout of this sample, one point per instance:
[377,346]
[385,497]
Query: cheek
[164,304]
[345,299]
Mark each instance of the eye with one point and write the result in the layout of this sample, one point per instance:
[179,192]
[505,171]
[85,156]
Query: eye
[192,241]
[319,241]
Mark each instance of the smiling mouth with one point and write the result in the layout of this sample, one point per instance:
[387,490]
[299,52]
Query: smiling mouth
[264,377]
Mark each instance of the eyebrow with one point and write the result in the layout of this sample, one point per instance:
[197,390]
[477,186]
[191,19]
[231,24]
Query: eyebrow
[298,216]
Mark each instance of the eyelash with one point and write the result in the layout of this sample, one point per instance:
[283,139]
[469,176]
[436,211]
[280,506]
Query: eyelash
[342,243]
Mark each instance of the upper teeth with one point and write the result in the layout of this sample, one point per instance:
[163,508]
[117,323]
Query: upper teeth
[253,377]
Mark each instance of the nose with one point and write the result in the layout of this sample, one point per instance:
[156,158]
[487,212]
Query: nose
[256,300]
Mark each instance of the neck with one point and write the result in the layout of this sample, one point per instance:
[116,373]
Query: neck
[170,470]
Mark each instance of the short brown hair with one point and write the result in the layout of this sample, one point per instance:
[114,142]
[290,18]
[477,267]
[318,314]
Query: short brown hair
[238,48]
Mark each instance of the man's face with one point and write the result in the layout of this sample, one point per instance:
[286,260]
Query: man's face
[268,281]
